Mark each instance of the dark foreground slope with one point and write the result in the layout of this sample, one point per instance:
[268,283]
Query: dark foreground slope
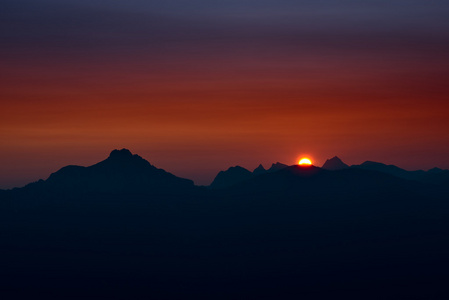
[300,233]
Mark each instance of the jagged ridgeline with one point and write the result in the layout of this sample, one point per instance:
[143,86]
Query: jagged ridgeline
[123,228]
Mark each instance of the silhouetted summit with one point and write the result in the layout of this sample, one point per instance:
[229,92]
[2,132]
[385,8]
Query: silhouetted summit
[334,163]
[231,176]
[259,170]
[276,167]
[436,170]
[120,154]
[120,172]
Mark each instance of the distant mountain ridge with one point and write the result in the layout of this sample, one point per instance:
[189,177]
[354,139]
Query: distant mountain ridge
[259,170]
[276,167]
[435,175]
[230,177]
[124,172]
[312,181]
[120,172]
[334,163]
[238,174]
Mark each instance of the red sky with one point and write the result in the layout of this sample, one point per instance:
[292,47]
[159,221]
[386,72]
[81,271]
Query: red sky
[197,95]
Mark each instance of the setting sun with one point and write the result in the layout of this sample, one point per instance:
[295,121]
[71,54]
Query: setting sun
[305,162]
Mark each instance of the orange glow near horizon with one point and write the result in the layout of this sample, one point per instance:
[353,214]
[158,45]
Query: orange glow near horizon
[194,105]
[305,162]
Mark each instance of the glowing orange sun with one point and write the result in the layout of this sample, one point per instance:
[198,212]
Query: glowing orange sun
[305,162]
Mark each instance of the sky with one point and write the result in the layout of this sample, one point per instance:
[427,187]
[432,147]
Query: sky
[198,86]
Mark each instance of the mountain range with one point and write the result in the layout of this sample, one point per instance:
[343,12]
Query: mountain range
[123,172]
[237,174]
[123,228]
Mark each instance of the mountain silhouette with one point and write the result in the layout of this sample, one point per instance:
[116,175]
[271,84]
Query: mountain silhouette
[435,176]
[123,228]
[120,172]
[230,177]
[334,163]
[310,180]
[237,174]
[123,172]
[259,170]
[390,169]
[436,170]
[276,167]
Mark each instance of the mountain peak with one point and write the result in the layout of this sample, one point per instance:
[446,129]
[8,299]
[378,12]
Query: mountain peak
[335,163]
[435,170]
[120,172]
[231,176]
[120,154]
[259,170]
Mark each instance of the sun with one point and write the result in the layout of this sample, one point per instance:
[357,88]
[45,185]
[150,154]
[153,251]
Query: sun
[305,162]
